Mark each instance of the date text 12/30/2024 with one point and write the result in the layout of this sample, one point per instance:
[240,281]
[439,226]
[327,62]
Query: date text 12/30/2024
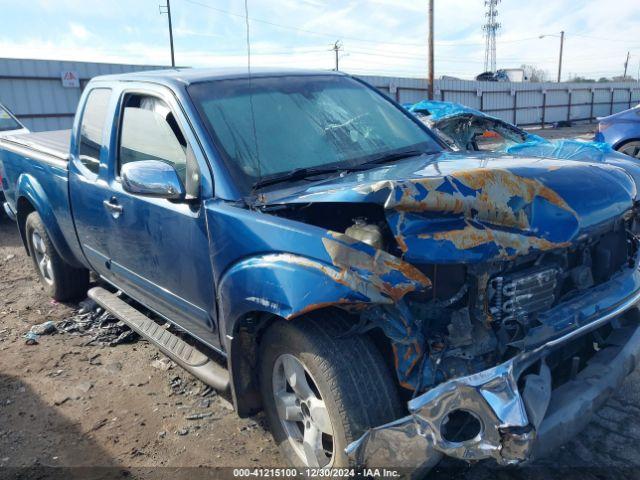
[316,472]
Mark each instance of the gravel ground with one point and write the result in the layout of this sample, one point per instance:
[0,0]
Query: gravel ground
[63,403]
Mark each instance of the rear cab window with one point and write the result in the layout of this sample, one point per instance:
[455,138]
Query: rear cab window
[94,119]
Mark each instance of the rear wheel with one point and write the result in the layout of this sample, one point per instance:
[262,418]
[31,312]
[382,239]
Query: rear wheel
[631,148]
[60,280]
[321,391]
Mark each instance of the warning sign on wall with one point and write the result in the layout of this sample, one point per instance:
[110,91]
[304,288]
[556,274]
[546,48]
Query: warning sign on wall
[70,79]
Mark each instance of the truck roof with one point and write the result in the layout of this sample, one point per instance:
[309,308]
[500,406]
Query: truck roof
[188,76]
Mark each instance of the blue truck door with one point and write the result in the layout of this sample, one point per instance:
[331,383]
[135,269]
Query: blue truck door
[160,254]
[87,185]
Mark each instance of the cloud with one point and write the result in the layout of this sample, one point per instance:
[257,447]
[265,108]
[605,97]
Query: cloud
[79,31]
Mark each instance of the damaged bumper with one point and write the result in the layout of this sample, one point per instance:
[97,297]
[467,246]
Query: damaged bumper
[518,414]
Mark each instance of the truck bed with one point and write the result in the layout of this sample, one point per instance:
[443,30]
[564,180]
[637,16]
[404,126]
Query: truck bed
[55,142]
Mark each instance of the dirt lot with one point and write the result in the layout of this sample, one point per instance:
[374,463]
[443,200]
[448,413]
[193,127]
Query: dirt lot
[63,403]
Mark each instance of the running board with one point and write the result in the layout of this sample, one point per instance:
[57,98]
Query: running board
[188,357]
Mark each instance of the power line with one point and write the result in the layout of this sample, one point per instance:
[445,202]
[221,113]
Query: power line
[337,35]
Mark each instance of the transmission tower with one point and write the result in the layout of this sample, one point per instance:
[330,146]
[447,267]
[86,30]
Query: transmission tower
[490,28]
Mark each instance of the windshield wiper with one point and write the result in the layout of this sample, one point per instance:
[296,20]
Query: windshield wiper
[302,173]
[298,174]
[393,156]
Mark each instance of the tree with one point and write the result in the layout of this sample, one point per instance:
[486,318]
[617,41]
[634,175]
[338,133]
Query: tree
[534,74]
[622,78]
[579,79]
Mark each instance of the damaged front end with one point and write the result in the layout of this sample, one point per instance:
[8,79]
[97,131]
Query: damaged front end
[502,284]
[518,410]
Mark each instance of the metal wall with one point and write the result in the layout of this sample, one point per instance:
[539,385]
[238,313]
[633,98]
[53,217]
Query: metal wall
[32,89]
[520,103]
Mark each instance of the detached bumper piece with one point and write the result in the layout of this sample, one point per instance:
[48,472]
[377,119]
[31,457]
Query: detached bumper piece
[511,413]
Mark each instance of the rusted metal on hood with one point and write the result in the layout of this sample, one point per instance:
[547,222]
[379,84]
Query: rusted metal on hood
[508,244]
[483,194]
[535,200]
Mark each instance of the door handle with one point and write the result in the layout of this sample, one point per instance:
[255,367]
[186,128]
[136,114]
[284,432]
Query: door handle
[113,207]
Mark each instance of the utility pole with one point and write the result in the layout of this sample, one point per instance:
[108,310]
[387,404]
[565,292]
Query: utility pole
[560,59]
[430,48]
[336,48]
[168,12]
[626,63]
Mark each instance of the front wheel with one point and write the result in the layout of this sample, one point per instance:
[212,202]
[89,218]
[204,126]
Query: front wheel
[322,391]
[60,280]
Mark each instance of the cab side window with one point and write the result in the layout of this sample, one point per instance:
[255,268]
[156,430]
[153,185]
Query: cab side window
[94,119]
[149,131]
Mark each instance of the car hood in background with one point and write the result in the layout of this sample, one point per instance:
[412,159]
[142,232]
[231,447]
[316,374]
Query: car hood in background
[459,207]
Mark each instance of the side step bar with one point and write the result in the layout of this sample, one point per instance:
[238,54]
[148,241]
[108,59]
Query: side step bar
[188,357]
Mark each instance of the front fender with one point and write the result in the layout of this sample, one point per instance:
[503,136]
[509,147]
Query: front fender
[290,285]
[29,188]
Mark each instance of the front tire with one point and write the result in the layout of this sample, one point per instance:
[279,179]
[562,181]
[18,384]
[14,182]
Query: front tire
[60,280]
[322,391]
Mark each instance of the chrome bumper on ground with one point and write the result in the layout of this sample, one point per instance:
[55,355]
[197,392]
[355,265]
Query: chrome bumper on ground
[515,424]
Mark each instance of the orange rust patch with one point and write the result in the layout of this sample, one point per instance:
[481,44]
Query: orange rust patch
[495,188]
[401,243]
[317,306]
[471,237]
[379,264]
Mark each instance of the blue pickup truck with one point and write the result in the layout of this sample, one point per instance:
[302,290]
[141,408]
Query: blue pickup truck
[323,256]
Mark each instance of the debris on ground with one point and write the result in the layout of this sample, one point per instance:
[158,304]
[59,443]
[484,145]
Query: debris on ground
[31,338]
[84,387]
[89,320]
[164,364]
[60,399]
[98,425]
[95,360]
[45,328]
[207,391]
[198,416]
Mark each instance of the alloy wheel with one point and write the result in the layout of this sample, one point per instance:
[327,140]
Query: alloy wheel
[302,412]
[43,259]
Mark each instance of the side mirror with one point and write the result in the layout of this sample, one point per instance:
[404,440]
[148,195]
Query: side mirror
[152,178]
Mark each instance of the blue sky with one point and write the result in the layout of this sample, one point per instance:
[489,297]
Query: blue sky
[385,37]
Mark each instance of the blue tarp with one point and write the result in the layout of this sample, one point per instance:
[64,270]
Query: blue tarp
[533,146]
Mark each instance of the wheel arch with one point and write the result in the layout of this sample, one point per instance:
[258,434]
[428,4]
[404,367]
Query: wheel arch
[30,197]
[624,141]
[23,208]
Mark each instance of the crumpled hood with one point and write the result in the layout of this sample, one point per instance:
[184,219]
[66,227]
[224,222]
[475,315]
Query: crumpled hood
[459,207]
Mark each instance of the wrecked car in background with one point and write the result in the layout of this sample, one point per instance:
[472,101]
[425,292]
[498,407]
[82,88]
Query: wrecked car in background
[326,258]
[622,131]
[464,128]
[9,125]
